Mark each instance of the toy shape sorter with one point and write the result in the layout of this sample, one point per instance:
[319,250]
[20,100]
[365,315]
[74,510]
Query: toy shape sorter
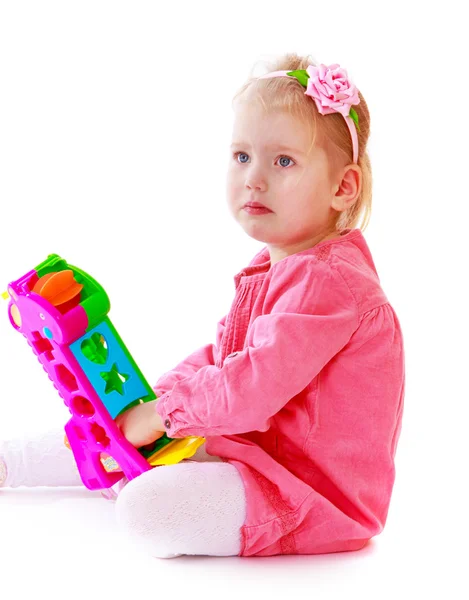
[62,312]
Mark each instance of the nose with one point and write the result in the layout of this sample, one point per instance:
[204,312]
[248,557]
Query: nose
[255,181]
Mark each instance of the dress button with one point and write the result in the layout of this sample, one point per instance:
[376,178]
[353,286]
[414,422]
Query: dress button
[167,423]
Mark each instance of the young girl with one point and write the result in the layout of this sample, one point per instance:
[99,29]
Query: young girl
[300,400]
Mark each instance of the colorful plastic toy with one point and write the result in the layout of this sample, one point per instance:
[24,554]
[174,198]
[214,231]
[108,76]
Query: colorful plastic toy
[62,312]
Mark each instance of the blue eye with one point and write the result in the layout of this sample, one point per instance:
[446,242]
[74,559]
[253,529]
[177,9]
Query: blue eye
[287,158]
[236,155]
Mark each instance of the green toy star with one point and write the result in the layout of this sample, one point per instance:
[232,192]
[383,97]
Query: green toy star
[114,380]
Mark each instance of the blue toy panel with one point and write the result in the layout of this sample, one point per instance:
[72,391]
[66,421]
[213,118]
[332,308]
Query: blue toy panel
[115,380]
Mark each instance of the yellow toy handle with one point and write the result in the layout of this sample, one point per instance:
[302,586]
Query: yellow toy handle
[176,451]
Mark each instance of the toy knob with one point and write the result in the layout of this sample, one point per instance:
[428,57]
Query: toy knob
[60,289]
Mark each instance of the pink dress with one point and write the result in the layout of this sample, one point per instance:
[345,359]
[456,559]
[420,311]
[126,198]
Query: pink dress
[303,393]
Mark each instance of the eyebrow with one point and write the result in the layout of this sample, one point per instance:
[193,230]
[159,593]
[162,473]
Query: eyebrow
[272,146]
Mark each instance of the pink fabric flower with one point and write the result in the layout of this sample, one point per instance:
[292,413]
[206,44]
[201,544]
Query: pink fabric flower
[331,89]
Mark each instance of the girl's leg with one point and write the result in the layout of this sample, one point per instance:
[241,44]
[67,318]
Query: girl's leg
[44,460]
[41,460]
[187,508]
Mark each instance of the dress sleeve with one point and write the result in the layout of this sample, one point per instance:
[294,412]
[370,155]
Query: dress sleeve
[310,314]
[202,357]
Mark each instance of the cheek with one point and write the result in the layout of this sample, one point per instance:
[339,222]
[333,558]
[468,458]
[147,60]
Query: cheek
[233,185]
[232,176]
[229,190]
[231,195]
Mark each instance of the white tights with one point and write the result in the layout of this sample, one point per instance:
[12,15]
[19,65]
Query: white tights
[195,507]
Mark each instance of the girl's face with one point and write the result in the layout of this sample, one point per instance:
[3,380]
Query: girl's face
[269,165]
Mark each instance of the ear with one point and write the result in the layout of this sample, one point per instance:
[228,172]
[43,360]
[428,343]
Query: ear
[347,188]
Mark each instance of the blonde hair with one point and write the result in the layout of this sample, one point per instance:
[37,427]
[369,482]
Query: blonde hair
[285,94]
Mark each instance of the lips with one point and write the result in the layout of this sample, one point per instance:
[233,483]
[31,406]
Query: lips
[255,205]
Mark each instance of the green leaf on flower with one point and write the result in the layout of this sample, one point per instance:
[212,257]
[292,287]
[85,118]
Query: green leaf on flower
[354,116]
[301,75]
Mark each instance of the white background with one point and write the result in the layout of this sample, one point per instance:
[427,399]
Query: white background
[115,123]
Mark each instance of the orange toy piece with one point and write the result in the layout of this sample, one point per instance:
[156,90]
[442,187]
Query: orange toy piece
[60,289]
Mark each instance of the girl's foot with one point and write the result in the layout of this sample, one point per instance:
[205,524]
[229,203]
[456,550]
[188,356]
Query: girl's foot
[39,460]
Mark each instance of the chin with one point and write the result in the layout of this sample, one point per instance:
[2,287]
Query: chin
[262,236]
[258,230]
[259,238]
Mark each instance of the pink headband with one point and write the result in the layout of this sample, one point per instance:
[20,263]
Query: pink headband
[332,91]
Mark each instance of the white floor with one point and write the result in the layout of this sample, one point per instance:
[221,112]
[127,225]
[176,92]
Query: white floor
[62,543]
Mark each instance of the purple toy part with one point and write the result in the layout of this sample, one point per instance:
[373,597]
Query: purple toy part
[91,431]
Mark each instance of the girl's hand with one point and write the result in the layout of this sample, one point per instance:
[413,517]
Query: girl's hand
[141,425]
